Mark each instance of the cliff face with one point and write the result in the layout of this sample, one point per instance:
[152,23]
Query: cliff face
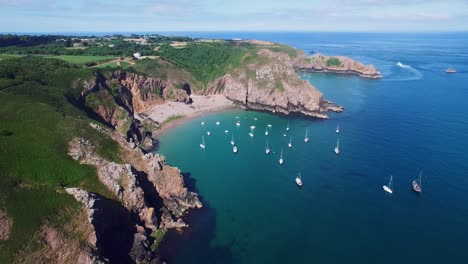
[138,186]
[270,83]
[338,64]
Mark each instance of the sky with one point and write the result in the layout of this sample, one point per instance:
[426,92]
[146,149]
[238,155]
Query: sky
[233,15]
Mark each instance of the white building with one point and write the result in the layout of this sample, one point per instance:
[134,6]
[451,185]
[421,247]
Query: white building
[137,55]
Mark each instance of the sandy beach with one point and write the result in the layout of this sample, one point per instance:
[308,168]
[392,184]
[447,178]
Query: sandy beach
[201,105]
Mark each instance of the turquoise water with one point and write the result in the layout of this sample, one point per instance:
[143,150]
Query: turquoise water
[414,119]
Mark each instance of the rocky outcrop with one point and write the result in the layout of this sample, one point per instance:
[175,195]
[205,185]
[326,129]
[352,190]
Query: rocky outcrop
[169,184]
[118,178]
[106,218]
[272,84]
[5,225]
[337,64]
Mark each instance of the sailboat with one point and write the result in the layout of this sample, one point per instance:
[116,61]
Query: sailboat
[338,128]
[290,143]
[299,179]
[287,128]
[232,140]
[237,123]
[234,149]
[251,131]
[417,184]
[217,123]
[202,123]
[269,125]
[337,148]
[266,131]
[306,139]
[281,158]
[202,145]
[208,133]
[389,188]
[267,149]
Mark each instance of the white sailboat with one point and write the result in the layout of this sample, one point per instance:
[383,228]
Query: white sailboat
[234,149]
[232,140]
[281,158]
[299,179]
[306,139]
[417,184]
[237,123]
[337,148]
[202,145]
[266,131]
[208,133]
[287,128]
[338,128]
[389,188]
[267,149]
[269,125]
[226,131]
[251,131]
[217,123]
[290,142]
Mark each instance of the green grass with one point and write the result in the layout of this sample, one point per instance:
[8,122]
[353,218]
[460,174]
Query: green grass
[333,62]
[108,65]
[172,118]
[36,123]
[124,64]
[81,59]
[292,52]
[8,56]
[158,236]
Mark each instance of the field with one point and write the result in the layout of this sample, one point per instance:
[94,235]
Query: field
[81,59]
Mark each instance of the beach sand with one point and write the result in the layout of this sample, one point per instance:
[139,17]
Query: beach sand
[201,105]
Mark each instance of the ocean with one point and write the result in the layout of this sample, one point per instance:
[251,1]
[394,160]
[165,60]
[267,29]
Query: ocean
[415,118]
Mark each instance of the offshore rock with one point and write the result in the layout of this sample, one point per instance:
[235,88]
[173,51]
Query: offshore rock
[336,64]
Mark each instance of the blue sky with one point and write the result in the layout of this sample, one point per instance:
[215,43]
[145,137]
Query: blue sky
[232,15]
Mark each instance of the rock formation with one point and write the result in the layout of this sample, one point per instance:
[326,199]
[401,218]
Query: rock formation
[338,64]
[271,83]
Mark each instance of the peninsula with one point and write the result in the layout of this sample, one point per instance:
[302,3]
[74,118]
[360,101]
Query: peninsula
[80,123]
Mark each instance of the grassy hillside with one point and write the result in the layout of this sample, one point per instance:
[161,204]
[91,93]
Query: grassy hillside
[37,122]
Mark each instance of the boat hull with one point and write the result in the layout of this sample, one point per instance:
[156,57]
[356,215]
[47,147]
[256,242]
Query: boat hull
[416,187]
[299,182]
[387,189]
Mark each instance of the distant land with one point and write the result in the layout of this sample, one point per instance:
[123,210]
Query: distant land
[80,118]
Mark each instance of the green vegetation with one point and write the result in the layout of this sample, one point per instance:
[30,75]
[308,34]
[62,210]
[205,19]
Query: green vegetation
[206,61]
[82,59]
[108,65]
[8,56]
[37,122]
[172,118]
[124,64]
[158,236]
[279,86]
[292,52]
[333,62]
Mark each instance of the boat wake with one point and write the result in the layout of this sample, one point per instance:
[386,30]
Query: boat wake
[414,74]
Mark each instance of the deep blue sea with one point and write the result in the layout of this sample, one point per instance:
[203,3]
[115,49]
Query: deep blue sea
[415,118]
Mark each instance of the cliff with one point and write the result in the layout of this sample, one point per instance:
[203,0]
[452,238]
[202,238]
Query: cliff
[270,83]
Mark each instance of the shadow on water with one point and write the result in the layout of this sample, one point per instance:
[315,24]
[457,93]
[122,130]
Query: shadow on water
[114,230]
[152,197]
[178,247]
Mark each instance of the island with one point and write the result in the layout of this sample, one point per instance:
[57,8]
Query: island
[80,119]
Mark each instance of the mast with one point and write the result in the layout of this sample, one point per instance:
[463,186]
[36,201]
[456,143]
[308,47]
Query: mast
[203,140]
[307,131]
[281,156]
[391,182]
[420,177]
